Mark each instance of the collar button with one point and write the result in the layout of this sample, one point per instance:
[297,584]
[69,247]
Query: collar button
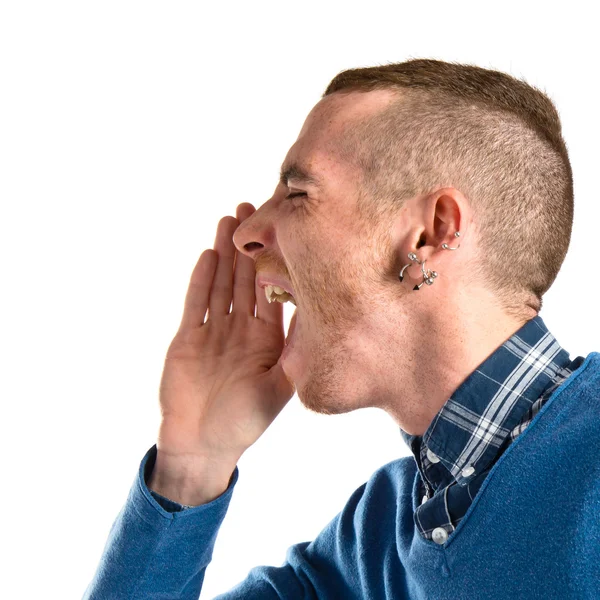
[468,471]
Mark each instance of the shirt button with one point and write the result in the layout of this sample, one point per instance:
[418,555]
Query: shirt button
[425,498]
[432,457]
[439,535]
[468,471]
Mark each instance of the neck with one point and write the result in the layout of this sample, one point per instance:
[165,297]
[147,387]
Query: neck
[446,345]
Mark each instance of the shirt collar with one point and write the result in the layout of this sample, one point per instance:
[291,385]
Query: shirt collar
[466,434]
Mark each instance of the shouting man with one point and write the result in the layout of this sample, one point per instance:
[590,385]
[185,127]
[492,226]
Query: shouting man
[420,216]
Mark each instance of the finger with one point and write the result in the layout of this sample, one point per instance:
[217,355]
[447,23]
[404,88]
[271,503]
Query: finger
[244,296]
[196,299]
[219,301]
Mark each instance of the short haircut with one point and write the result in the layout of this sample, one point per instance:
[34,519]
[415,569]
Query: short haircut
[494,138]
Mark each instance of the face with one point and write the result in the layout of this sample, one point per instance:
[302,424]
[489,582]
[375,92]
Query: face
[339,273]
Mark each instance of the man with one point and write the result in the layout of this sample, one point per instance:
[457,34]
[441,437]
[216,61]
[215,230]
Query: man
[421,215]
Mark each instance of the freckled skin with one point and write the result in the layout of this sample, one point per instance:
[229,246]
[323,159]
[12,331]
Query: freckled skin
[363,339]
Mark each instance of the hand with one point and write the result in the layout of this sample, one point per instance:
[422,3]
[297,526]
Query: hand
[222,385]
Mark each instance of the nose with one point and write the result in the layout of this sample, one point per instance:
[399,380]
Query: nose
[245,236]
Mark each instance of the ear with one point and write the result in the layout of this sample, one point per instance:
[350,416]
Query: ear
[443,214]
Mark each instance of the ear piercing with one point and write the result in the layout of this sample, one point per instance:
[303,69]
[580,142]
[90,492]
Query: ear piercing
[446,247]
[428,275]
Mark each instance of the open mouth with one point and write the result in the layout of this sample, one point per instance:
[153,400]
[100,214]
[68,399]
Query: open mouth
[274,293]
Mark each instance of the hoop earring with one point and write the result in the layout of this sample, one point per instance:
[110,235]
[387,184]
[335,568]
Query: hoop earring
[428,275]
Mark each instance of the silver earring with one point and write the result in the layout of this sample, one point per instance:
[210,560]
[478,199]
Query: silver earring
[446,247]
[428,275]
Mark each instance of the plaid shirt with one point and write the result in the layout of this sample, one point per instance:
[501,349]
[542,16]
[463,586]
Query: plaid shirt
[487,412]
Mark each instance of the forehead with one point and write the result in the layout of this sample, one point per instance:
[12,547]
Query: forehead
[315,147]
[333,113]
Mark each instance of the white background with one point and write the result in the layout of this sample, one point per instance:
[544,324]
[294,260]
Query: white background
[127,130]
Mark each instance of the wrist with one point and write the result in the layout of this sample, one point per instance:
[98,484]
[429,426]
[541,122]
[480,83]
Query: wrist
[189,479]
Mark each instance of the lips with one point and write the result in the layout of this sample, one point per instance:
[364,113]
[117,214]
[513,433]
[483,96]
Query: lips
[265,279]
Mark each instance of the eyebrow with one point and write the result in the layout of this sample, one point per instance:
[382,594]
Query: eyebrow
[298,173]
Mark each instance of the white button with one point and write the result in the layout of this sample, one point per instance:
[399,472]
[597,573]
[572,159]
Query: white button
[432,457]
[468,471]
[425,498]
[439,535]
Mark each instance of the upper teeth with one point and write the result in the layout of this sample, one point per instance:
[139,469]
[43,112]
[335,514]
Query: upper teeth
[276,293]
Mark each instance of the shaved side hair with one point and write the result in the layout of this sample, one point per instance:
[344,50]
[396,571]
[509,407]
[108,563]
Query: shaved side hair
[494,138]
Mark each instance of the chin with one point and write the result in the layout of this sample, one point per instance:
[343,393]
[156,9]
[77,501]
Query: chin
[322,399]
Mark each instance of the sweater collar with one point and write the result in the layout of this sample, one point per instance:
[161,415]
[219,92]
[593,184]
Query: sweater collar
[466,434]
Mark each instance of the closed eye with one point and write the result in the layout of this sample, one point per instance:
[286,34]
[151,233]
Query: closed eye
[294,195]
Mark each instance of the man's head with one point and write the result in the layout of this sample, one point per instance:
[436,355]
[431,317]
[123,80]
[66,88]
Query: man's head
[397,159]
[496,139]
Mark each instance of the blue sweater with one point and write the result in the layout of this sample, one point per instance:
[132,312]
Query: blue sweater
[531,531]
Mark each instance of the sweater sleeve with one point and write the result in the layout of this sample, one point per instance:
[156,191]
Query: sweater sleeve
[157,551]
[154,548]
